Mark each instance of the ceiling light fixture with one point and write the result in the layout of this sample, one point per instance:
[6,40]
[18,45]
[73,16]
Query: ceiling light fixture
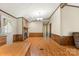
[39,18]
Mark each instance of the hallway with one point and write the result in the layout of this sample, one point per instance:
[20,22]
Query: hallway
[50,48]
[23,31]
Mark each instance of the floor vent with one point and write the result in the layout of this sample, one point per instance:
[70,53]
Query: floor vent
[41,49]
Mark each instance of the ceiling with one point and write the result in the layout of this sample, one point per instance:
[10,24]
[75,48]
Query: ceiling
[31,11]
[75,4]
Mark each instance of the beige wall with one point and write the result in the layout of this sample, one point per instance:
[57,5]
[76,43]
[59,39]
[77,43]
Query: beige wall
[36,27]
[55,20]
[70,20]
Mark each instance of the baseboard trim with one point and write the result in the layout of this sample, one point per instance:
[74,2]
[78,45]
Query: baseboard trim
[56,38]
[36,35]
[2,40]
[17,37]
[63,40]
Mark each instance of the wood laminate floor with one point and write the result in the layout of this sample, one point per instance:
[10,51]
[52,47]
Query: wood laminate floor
[42,47]
[15,49]
[38,46]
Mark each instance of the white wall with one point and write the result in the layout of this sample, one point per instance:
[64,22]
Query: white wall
[70,20]
[19,25]
[11,23]
[10,28]
[36,27]
[48,29]
[56,22]
[44,30]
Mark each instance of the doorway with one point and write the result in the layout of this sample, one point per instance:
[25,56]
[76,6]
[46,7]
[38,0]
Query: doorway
[50,30]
